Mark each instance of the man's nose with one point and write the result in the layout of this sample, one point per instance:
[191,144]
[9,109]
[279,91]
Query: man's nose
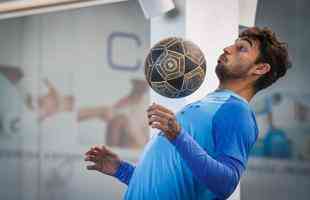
[228,50]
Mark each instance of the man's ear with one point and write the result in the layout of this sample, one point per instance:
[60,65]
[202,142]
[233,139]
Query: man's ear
[261,69]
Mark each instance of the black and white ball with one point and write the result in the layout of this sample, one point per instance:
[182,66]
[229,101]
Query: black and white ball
[175,67]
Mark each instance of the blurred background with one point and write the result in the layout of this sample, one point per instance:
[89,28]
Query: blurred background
[71,76]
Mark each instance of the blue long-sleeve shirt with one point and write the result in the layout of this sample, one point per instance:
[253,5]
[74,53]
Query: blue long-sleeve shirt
[207,158]
[221,175]
[214,170]
[124,172]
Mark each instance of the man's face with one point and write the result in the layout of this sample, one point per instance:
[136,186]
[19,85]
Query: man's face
[237,60]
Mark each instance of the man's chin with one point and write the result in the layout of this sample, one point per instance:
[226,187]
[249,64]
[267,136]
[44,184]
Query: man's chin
[219,67]
[220,71]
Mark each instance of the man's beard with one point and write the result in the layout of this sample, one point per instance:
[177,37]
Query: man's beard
[224,74]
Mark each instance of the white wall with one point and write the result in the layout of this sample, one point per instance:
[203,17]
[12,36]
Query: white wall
[288,179]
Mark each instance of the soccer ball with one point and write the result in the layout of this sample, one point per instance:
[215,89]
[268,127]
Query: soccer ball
[175,67]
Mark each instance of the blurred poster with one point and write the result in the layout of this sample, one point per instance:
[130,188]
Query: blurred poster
[70,80]
[284,123]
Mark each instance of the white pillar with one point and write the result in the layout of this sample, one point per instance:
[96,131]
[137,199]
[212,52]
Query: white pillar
[212,25]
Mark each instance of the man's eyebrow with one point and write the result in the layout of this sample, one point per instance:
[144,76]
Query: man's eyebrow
[245,39]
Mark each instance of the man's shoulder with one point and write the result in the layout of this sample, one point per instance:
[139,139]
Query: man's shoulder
[235,114]
[237,104]
[234,108]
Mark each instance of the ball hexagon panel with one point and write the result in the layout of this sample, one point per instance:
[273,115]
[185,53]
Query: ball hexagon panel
[171,65]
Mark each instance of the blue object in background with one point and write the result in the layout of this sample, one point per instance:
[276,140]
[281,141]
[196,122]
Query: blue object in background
[258,149]
[277,145]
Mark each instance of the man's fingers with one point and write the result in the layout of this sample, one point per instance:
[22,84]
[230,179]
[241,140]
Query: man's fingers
[159,113]
[92,152]
[162,108]
[155,118]
[100,152]
[102,149]
[93,149]
[159,126]
[151,107]
[98,149]
[91,158]
[89,152]
[92,167]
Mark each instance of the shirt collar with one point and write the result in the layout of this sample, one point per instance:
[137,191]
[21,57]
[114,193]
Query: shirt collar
[232,93]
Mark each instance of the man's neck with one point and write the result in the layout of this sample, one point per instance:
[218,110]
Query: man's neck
[244,90]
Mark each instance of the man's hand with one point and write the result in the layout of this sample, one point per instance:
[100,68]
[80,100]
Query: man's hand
[163,119]
[104,160]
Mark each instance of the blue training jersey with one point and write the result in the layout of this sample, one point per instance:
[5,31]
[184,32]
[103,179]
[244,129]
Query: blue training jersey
[222,123]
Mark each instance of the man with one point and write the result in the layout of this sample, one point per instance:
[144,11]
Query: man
[202,152]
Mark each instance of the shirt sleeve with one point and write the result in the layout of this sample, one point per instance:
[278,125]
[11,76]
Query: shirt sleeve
[124,172]
[234,132]
[221,175]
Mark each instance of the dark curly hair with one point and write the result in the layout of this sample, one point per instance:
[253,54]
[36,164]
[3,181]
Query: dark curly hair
[272,51]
